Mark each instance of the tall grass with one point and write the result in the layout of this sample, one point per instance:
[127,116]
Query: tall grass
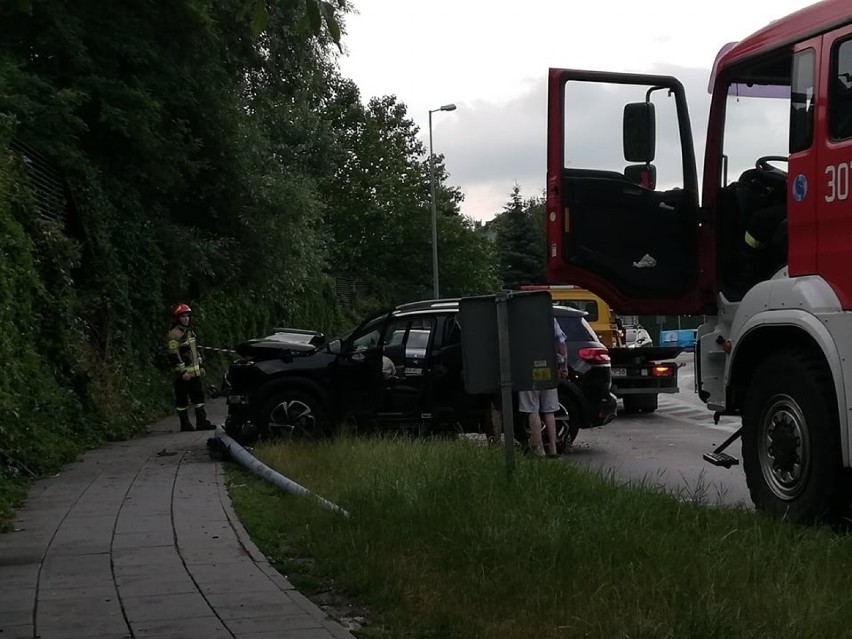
[440,544]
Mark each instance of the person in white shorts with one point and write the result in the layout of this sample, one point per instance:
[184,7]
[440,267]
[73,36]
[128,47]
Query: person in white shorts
[545,402]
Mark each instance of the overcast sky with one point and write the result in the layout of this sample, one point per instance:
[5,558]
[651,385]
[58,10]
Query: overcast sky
[491,60]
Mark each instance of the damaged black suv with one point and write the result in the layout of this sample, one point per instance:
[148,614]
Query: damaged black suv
[398,370]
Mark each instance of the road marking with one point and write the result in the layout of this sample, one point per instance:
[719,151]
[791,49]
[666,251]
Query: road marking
[687,413]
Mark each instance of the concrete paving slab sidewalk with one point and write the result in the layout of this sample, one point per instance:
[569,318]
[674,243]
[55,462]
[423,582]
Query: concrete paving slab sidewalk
[138,539]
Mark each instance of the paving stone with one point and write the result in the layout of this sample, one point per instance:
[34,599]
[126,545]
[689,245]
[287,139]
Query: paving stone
[143,539]
[100,591]
[19,552]
[56,611]
[24,631]
[277,623]
[23,599]
[151,556]
[160,583]
[200,628]
[128,523]
[296,633]
[16,616]
[18,576]
[230,578]
[95,509]
[209,552]
[77,547]
[63,567]
[246,605]
[165,607]
[81,623]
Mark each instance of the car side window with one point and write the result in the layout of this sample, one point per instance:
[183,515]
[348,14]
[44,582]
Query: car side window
[453,330]
[414,333]
[405,343]
[367,337]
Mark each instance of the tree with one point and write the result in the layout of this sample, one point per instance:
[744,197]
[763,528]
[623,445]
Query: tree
[520,242]
[192,149]
[378,205]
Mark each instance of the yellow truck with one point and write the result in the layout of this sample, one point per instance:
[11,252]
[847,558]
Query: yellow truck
[599,315]
[639,373]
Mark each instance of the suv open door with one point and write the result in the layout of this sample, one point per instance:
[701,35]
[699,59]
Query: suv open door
[631,234]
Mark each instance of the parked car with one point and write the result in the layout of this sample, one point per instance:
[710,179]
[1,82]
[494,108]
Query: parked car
[308,387]
[637,337]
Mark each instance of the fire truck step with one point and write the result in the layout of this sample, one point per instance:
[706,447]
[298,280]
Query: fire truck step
[721,459]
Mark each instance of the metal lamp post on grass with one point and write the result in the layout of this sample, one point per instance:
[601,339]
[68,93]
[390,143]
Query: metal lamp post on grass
[435,288]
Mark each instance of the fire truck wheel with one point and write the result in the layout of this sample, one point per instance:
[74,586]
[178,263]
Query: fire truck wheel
[791,440]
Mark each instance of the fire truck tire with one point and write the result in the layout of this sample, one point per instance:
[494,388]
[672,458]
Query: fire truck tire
[791,440]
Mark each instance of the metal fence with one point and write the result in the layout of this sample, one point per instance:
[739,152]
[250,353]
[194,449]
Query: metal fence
[348,290]
[49,189]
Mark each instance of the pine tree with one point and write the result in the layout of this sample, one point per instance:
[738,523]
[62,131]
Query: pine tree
[520,245]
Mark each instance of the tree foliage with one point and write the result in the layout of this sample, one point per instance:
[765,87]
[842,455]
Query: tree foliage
[520,241]
[213,154]
[379,209]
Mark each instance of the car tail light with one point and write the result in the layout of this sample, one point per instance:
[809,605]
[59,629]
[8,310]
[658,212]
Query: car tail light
[662,370]
[594,355]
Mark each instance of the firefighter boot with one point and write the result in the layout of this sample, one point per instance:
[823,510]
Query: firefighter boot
[185,424]
[201,421]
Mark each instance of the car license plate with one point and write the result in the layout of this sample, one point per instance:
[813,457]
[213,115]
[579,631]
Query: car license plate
[619,372]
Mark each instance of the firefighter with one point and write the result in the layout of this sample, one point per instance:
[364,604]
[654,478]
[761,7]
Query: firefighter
[186,360]
[765,242]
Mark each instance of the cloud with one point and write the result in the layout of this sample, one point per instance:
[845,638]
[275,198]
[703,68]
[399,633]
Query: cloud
[490,146]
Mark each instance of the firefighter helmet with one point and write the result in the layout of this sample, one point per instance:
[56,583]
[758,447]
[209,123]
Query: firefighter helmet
[180,309]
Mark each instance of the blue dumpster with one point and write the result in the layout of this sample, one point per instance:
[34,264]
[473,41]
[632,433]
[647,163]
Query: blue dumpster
[683,338]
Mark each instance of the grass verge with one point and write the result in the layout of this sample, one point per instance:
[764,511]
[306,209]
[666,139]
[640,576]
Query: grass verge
[440,544]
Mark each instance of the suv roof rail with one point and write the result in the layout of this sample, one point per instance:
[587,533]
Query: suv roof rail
[296,331]
[425,304]
[570,311]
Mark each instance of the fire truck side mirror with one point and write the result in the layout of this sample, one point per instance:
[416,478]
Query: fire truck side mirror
[639,132]
[642,174]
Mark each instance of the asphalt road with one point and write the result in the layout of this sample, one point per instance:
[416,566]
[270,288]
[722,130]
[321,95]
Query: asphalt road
[664,449]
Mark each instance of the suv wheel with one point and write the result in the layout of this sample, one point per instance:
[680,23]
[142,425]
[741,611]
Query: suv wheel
[293,415]
[568,419]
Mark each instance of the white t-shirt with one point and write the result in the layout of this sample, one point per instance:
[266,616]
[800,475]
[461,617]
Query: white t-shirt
[558,335]
[388,369]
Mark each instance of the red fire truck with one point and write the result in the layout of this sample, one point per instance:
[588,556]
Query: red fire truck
[766,253]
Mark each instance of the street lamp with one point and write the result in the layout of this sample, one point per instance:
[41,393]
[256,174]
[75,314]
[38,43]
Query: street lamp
[435,288]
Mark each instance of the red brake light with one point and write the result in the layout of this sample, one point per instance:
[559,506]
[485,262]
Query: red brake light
[664,370]
[594,355]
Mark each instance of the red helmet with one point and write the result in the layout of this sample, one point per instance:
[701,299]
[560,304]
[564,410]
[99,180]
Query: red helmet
[180,309]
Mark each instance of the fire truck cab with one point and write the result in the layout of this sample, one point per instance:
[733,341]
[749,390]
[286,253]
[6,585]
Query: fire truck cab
[765,252]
